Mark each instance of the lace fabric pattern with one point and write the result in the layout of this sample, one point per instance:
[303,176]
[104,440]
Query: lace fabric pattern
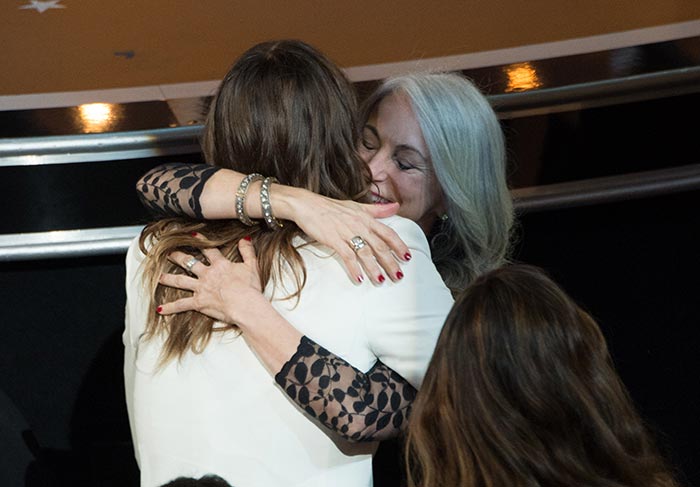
[175,189]
[369,406]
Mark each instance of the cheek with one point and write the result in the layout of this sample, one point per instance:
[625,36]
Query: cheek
[413,192]
[364,154]
[425,196]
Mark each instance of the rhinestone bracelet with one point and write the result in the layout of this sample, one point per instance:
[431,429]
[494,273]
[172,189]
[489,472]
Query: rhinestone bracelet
[272,222]
[240,198]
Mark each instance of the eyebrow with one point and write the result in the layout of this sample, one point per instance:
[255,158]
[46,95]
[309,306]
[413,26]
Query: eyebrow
[400,147]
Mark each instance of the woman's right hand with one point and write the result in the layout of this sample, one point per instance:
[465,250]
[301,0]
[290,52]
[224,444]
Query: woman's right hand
[231,292]
[226,291]
[334,223]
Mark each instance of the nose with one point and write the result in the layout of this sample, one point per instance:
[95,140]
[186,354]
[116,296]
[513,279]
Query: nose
[379,165]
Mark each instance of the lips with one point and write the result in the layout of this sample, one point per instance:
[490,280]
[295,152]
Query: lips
[378,200]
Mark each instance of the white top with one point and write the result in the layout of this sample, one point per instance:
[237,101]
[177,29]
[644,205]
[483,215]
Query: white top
[221,412]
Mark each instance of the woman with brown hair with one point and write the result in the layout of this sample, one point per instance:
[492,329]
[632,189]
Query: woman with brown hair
[199,397]
[433,144]
[521,390]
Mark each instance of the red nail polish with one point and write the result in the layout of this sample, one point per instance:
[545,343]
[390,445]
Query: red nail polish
[360,279]
[407,256]
[381,278]
[248,238]
[194,234]
[159,309]
[399,275]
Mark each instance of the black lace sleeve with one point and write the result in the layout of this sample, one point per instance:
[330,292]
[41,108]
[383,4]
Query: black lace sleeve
[174,189]
[360,406]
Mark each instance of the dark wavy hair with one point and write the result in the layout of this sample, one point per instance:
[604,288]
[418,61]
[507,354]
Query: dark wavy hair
[283,110]
[521,391]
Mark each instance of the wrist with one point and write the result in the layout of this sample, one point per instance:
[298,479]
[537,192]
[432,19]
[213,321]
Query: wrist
[252,201]
[284,200]
[255,316]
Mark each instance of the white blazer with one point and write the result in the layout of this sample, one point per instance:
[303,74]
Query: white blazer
[221,412]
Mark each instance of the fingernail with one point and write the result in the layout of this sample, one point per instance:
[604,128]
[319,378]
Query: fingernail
[159,309]
[407,256]
[399,275]
[381,278]
[360,279]
[248,238]
[194,234]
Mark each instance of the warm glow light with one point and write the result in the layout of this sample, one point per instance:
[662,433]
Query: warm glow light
[96,117]
[522,77]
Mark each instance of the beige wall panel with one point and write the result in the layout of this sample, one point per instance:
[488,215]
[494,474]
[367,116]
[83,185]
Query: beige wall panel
[73,48]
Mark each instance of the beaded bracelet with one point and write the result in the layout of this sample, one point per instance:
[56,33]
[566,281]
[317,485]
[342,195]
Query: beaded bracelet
[272,222]
[240,198]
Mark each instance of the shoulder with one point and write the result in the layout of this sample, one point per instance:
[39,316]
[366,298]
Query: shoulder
[134,261]
[409,231]
[134,255]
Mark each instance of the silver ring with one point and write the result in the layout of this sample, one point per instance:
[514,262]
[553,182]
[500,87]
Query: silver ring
[357,243]
[190,263]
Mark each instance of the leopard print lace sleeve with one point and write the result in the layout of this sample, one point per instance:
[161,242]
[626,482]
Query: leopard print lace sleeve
[359,406]
[175,189]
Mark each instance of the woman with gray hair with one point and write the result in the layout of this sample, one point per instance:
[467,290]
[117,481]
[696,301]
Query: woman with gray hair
[434,146]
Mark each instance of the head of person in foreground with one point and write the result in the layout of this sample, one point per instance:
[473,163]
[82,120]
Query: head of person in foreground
[521,390]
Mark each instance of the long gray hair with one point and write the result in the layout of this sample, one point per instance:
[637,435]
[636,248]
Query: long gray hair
[467,150]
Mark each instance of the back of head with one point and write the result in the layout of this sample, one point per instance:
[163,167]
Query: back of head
[285,110]
[527,395]
[209,480]
[282,110]
[467,150]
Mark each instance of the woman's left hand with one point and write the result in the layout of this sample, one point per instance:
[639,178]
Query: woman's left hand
[226,291]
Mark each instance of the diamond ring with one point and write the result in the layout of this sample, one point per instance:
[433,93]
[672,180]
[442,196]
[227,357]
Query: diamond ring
[190,263]
[357,243]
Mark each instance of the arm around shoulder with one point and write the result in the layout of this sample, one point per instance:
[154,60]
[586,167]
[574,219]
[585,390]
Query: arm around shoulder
[404,318]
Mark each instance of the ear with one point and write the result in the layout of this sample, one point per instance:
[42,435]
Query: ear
[440,209]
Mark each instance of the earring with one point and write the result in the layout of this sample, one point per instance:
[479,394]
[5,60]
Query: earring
[444,217]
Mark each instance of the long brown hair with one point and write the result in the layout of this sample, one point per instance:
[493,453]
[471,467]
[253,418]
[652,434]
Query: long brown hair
[521,391]
[283,110]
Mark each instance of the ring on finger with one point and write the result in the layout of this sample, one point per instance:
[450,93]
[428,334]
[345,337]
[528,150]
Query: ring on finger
[190,263]
[357,243]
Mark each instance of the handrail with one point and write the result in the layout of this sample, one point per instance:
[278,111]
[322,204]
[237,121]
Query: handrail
[115,240]
[67,149]
[594,191]
[23,151]
[638,87]
[66,243]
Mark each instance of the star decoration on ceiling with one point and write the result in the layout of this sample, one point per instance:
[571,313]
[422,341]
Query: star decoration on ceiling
[42,6]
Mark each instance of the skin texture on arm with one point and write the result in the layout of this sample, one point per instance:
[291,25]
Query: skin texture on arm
[203,191]
[359,406]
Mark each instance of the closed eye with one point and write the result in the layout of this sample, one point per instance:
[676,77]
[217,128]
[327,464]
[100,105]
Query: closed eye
[367,144]
[403,165]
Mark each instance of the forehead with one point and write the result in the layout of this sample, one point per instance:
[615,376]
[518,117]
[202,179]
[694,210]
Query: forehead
[396,122]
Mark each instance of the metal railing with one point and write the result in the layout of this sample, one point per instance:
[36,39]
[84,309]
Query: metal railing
[609,189]
[660,84]
[115,240]
[91,148]
[94,148]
